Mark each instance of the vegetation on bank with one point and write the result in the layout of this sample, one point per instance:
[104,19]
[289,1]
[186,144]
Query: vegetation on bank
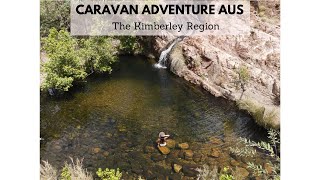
[262,116]
[71,59]
[76,171]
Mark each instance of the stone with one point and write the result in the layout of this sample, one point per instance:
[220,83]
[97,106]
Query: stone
[234,163]
[214,140]
[96,150]
[175,176]
[188,154]
[183,145]
[157,157]
[177,168]
[197,157]
[149,149]
[214,153]
[106,153]
[171,143]
[174,153]
[242,172]
[190,170]
[164,150]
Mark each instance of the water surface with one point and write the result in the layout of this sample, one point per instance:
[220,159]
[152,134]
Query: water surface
[110,121]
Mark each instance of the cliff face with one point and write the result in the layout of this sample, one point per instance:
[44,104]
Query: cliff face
[213,62]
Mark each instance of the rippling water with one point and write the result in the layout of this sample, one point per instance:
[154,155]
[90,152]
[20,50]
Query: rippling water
[110,120]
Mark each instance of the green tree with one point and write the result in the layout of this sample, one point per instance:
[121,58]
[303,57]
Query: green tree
[99,54]
[64,65]
[242,79]
[54,14]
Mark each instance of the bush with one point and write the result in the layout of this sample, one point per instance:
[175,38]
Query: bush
[64,66]
[271,148]
[109,174]
[99,54]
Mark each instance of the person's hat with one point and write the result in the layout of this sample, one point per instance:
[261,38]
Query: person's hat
[162,134]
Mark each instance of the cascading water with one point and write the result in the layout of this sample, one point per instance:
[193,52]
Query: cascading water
[163,56]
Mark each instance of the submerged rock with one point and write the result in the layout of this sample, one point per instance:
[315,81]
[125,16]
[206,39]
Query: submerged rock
[157,157]
[234,163]
[214,153]
[96,150]
[177,168]
[183,145]
[171,143]
[106,153]
[242,172]
[164,149]
[190,170]
[188,154]
[215,140]
[149,149]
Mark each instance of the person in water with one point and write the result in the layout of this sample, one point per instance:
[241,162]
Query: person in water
[162,139]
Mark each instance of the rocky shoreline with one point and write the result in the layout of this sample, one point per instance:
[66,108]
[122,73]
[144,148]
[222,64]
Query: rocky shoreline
[212,63]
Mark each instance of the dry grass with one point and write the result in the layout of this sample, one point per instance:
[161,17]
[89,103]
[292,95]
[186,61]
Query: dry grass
[75,170]
[206,173]
[47,172]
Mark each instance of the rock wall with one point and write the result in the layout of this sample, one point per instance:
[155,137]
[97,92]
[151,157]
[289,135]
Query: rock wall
[213,62]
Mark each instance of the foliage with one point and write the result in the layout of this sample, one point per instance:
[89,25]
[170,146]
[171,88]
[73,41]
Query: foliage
[65,174]
[72,60]
[130,45]
[98,54]
[271,148]
[54,14]
[225,174]
[64,66]
[109,174]
[47,172]
[71,171]
[205,173]
[75,170]
[242,79]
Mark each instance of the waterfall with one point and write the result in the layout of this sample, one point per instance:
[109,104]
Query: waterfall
[163,56]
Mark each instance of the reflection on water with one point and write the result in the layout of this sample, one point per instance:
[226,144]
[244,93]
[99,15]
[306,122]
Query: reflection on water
[111,120]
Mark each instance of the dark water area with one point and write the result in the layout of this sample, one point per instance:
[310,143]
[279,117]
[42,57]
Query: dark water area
[113,121]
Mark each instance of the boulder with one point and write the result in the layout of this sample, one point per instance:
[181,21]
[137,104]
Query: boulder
[171,143]
[188,154]
[164,149]
[177,168]
[183,145]
[214,153]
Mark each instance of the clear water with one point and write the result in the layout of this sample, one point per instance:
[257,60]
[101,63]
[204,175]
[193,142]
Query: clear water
[111,120]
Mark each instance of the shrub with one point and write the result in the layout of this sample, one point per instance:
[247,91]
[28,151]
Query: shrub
[109,174]
[271,149]
[75,170]
[64,66]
